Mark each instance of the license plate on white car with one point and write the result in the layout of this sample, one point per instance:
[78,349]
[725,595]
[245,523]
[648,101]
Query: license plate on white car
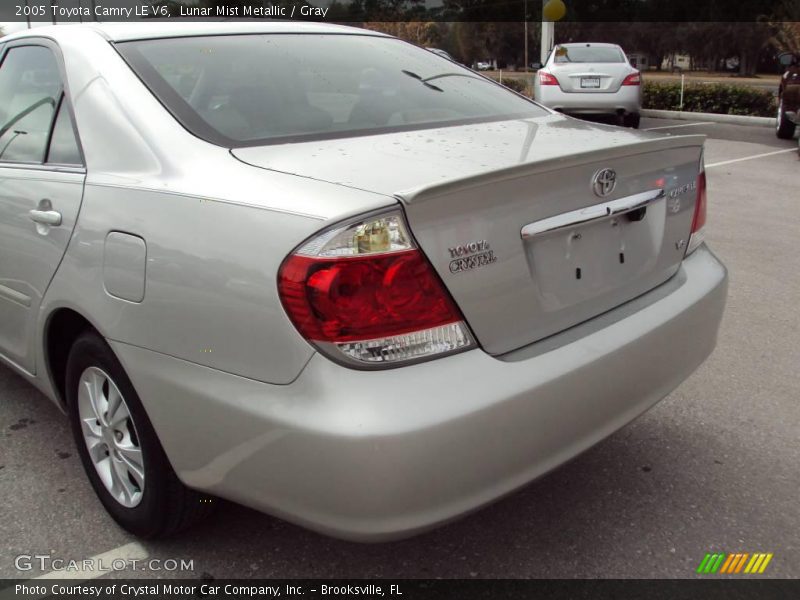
[590,82]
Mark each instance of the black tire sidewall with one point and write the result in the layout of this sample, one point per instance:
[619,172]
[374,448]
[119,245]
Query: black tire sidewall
[785,128]
[146,518]
[632,120]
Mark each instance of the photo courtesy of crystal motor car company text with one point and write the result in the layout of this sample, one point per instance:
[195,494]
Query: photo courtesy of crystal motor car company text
[306,267]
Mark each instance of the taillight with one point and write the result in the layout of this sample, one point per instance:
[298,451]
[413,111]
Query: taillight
[634,78]
[547,78]
[699,220]
[365,294]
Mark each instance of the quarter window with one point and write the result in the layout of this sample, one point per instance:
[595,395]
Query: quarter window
[30,88]
[63,145]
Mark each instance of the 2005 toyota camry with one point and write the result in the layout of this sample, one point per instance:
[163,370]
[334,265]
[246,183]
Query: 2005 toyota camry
[330,275]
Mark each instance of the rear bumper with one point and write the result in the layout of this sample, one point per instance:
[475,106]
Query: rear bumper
[385,454]
[627,99]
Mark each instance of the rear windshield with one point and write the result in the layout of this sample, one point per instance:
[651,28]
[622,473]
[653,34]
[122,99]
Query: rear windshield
[588,54]
[245,90]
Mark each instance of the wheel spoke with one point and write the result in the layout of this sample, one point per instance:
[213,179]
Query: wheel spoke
[126,487]
[118,477]
[131,457]
[91,429]
[86,398]
[118,410]
[114,403]
[97,451]
[104,470]
[99,402]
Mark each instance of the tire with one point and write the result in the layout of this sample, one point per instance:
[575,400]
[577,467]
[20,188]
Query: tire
[127,466]
[632,120]
[785,128]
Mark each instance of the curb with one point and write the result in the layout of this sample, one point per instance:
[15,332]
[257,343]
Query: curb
[714,118]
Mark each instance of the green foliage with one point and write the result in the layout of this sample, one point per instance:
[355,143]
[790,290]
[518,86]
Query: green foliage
[517,84]
[710,98]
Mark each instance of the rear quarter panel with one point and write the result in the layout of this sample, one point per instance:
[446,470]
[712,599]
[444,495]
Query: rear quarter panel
[216,230]
[210,289]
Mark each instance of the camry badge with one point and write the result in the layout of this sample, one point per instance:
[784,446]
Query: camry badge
[604,182]
[470,256]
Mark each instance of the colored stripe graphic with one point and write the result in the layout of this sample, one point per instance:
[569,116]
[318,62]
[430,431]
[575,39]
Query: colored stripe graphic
[722,563]
[764,564]
[737,557]
[754,563]
[726,566]
[703,563]
[711,562]
[742,561]
[718,563]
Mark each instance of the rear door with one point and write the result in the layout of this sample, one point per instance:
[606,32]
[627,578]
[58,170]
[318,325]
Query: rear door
[41,187]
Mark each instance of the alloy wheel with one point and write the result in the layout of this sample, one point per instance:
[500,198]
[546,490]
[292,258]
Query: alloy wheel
[110,436]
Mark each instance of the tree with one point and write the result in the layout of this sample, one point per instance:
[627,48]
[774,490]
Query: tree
[422,33]
[787,27]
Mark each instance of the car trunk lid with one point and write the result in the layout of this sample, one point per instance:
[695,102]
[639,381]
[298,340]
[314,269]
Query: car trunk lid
[595,78]
[468,207]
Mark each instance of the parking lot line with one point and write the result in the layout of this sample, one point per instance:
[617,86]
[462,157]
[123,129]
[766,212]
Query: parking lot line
[754,156]
[101,564]
[681,125]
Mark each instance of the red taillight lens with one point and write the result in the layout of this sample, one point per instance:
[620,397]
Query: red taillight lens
[699,220]
[547,78]
[358,298]
[697,235]
[365,294]
[633,79]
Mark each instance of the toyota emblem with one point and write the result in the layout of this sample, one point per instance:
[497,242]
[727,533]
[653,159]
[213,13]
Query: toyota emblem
[604,182]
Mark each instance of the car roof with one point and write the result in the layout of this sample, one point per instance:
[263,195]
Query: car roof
[124,32]
[584,44]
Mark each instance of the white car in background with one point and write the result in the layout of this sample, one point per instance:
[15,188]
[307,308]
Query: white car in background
[590,79]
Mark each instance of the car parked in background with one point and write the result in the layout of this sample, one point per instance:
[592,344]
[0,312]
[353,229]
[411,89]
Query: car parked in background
[590,79]
[788,97]
[483,66]
[330,275]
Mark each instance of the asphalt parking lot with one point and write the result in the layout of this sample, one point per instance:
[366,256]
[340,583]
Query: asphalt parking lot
[714,467]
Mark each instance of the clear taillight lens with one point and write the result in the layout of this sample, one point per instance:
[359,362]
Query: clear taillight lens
[633,79]
[700,207]
[547,78]
[387,233]
[365,294]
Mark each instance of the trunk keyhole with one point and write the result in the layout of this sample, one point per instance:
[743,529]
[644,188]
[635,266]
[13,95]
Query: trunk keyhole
[578,273]
[622,258]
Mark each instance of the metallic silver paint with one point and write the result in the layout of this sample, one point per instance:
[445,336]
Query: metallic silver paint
[359,454]
[124,262]
[31,251]
[569,97]
[380,455]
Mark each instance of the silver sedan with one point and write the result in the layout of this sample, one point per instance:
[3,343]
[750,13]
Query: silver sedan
[590,79]
[330,275]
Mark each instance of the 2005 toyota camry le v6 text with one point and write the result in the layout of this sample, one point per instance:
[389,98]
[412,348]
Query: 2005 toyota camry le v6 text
[331,275]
